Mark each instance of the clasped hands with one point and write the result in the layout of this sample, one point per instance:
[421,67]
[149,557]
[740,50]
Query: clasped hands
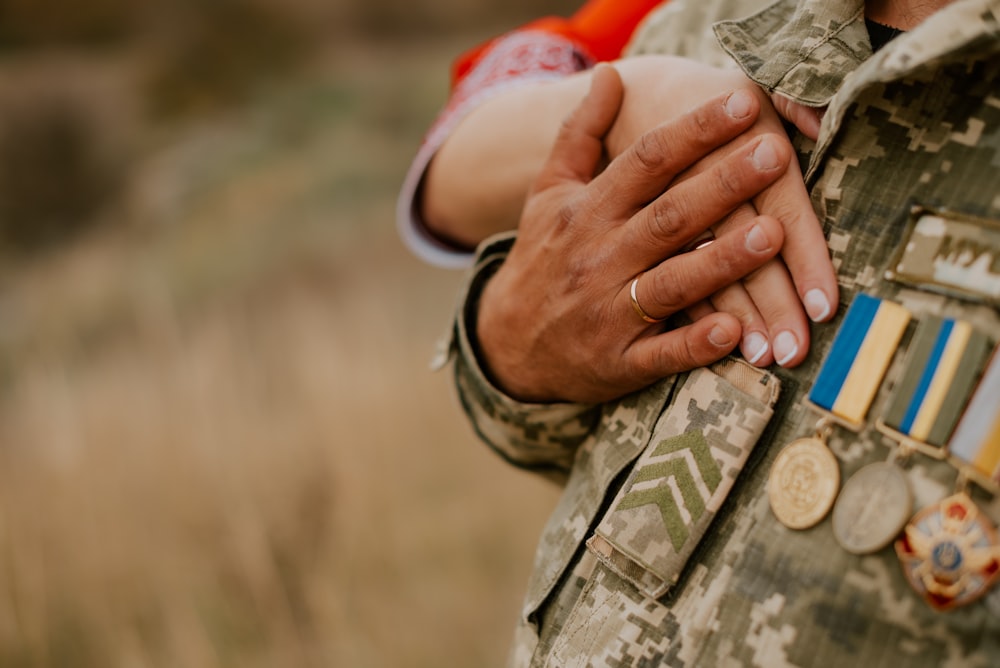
[557,321]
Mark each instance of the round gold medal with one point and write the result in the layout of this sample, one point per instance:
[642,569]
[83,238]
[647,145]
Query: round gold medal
[872,509]
[803,483]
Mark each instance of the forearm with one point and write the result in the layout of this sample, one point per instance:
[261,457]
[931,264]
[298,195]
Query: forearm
[477,182]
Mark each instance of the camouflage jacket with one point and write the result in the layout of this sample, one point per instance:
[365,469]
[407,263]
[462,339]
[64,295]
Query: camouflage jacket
[663,549]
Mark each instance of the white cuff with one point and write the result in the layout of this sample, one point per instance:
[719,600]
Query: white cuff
[514,60]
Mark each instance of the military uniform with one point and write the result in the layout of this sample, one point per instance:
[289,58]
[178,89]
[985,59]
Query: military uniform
[663,549]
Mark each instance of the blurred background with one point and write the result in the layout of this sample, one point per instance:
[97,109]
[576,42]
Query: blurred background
[220,443]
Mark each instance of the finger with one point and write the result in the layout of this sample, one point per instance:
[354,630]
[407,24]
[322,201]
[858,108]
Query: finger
[805,251]
[698,344]
[700,310]
[689,207]
[644,171]
[755,343]
[683,280]
[774,296]
[806,119]
[754,340]
[579,145]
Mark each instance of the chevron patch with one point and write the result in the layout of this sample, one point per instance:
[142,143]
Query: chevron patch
[677,485]
[688,463]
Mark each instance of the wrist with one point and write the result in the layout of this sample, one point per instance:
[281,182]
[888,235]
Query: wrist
[503,335]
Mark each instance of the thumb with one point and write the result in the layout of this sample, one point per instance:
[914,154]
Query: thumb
[806,119]
[579,146]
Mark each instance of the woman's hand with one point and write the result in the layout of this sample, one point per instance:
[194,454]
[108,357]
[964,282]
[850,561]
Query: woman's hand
[558,322]
[773,302]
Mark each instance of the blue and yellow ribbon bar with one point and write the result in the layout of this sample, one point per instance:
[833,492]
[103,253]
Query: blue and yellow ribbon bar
[942,366]
[977,437]
[858,359]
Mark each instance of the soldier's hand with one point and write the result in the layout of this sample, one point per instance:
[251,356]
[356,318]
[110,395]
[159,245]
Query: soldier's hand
[558,322]
[775,303]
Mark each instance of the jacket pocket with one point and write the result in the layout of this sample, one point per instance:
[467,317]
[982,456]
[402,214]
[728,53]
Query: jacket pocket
[698,447]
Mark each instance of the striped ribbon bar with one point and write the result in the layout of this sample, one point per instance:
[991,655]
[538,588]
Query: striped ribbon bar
[977,438]
[857,361]
[942,367]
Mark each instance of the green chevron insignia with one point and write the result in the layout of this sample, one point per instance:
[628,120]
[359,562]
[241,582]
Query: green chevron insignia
[679,468]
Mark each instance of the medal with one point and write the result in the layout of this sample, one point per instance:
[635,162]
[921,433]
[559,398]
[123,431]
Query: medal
[805,477]
[872,508]
[941,367]
[803,481]
[950,553]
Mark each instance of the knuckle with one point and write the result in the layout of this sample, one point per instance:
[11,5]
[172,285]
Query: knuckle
[566,214]
[677,357]
[578,272]
[667,297]
[650,153]
[704,122]
[730,184]
[691,354]
[666,221]
[647,366]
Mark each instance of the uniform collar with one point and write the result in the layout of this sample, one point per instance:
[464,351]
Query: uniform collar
[804,50]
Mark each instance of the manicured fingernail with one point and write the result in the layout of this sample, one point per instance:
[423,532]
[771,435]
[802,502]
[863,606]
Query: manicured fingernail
[738,104]
[816,305]
[719,338]
[764,156]
[756,241]
[755,347]
[786,346]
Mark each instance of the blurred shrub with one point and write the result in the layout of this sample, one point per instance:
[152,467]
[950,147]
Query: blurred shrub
[213,53]
[416,18]
[63,153]
[63,145]
[30,24]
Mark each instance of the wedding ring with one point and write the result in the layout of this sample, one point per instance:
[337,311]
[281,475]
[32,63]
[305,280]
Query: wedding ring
[705,239]
[635,303]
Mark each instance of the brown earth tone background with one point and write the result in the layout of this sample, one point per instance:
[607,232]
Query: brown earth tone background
[220,444]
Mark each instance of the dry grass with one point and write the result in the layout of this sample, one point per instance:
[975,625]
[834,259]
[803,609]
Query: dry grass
[219,441]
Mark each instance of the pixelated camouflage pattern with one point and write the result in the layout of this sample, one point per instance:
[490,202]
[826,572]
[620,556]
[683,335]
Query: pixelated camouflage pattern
[917,123]
[699,446]
[540,437]
[807,53]
[687,28]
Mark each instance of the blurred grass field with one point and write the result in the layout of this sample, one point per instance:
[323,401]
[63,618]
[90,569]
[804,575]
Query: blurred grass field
[220,443]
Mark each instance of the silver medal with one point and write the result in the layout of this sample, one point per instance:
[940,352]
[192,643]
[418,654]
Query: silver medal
[872,508]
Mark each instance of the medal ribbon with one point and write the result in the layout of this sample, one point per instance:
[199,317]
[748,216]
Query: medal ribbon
[858,359]
[941,370]
[977,438]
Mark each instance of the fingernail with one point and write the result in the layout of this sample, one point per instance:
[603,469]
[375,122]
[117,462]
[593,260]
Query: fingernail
[764,156]
[738,104]
[719,338]
[757,241]
[785,347]
[816,305]
[755,347]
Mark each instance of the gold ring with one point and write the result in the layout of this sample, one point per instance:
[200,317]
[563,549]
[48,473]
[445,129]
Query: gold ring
[704,239]
[635,303]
